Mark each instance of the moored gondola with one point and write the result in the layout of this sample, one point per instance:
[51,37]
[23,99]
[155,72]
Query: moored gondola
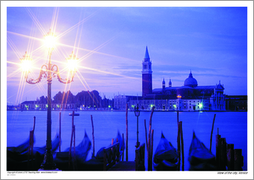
[62,159]
[21,159]
[165,156]
[200,158]
[96,163]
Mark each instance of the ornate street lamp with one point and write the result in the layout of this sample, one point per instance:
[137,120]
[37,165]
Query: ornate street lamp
[137,113]
[48,71]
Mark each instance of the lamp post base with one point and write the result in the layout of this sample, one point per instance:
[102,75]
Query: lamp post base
[48,162]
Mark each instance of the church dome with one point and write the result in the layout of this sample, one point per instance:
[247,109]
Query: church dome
[191,81]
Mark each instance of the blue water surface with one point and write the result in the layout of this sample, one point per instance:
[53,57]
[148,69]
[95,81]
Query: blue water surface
[230,125]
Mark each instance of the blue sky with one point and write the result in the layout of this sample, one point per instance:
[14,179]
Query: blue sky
[209,41]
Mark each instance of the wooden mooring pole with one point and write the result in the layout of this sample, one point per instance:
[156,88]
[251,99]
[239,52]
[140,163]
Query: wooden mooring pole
[34,123]
[74,147]
[211,137]
[126,132]
[151,151]
[31,146]
[230,157]
[60,131]
[177,118]
[123,147]
[93,154]
[238,160]
[179,144]
[146,134]
[182,148]
[150,139]
[223,153]
[30,150]
[71,159]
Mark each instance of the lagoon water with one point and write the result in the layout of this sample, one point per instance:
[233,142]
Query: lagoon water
[231,125]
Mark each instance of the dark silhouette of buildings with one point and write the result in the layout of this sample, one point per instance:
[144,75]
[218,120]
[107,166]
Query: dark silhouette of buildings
[84,100]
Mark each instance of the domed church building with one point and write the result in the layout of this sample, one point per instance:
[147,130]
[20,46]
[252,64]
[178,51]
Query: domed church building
[189,97]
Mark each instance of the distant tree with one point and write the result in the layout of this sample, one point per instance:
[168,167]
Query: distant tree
[96,98]
[70,97]
[58,97]
[43,100]
[79,98]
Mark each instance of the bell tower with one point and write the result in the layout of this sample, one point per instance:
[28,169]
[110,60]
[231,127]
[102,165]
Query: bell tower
[146,75]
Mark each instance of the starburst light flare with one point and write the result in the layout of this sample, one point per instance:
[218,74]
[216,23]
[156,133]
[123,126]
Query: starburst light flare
[26,63]
[50,40]
[72,62]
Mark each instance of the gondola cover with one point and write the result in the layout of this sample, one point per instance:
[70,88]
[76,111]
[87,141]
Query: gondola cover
[200,158]
[165,156]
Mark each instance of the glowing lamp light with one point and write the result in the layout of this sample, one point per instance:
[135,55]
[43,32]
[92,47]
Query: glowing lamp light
[26,63]
[50,40]
[72,62]
[200,105]
[179,96]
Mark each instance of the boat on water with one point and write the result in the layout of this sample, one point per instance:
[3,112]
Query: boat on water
[200,158]
[21,148]
[21,159]
[81,151]
[165,156]
[96,162]
[75,114]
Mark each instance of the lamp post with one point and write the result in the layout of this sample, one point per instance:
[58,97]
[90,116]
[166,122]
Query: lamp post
[49,71]
[137,113]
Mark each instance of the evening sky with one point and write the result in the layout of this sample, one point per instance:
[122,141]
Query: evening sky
[209,41]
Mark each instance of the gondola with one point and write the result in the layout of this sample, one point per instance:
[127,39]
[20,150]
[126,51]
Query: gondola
[96,162]
[121,143]
[200,158]
[20,159]
[62,160]
[21,148]
[75,114]
[165,156]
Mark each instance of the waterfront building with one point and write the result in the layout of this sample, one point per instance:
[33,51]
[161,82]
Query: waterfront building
[37,106]
[189,97]
[236,103]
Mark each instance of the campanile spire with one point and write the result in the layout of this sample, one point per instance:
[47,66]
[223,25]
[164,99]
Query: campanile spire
[147,57]
[146,74]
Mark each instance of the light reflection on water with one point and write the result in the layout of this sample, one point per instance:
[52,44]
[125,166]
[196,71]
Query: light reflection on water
[232,126]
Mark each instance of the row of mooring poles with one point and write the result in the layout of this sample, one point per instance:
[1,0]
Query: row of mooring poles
[227,158]
[149,141]
[149,138]
[73,139]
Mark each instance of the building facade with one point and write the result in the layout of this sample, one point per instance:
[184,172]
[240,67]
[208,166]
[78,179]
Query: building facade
[236,103]
[189,97]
